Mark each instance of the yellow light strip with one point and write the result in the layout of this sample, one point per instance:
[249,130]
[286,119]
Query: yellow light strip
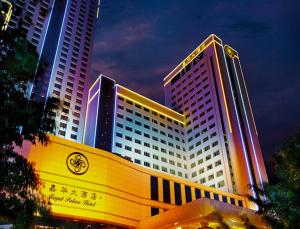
[179,66]
[8,15]
[222,87]
[149,107]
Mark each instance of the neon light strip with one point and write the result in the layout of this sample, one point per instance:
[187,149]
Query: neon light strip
[240,131]
[90,100]
[248,97]
[252,144]
[222,87]
[40,54]
[98,8]
[86,118]
[180,64]
[91,87]
[61,29]
[114,126]
[8,15]
[126,97]
[97,114]
[151,101]
[175,69]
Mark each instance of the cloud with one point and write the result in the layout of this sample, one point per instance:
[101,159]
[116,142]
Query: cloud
[124,35]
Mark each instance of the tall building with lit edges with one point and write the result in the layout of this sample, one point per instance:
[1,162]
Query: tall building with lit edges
[145,165]
[63,33]
[206,132]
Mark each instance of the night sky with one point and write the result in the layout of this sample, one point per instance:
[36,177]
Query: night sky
[138,42]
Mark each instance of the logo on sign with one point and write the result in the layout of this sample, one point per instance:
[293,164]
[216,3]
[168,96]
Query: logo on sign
[77,163]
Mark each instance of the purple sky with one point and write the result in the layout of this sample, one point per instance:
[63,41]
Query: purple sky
[138,42]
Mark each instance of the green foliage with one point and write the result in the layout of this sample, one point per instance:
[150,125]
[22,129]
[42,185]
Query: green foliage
[20,198]
[21,119]
[281,207]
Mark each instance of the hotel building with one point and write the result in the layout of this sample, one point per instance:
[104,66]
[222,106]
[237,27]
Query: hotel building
[206,132]
[93,188]
[62,32]
[152,185]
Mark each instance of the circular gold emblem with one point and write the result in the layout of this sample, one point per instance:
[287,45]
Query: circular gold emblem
[77,163]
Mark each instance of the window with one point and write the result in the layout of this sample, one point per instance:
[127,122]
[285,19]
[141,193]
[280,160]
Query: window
[154,188]
[147,144]
[219,173]
[221,184]
[214,144]
[166,191]
[147,164]
[202,180]
[201,171]
[119,125]
[138,151]
[208,157]
[217,163]
[118,145]
[156,167]
[216,153]
[119,135]
[188,194]
[137,141]
[216,197]
[194,174]
[197,193]
[137,161]
[128,148]
[177,191]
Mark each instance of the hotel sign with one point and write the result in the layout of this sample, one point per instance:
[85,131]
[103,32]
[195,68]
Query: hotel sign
[59,194]
[196,52]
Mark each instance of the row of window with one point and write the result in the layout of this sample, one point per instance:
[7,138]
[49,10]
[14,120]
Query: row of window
[155,156]
[146,135]
[147,118]
[166,185]
[148,110]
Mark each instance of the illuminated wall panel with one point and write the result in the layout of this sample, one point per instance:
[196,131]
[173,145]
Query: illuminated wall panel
[86,183]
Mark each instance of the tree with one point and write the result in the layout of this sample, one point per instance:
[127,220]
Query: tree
[21,119]
[281,206]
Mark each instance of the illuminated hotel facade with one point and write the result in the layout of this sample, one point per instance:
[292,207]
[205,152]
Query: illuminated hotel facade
[93,188]
[63,33]
[206,132]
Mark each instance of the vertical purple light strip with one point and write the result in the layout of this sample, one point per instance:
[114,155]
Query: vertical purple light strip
[249,131]
[239,125]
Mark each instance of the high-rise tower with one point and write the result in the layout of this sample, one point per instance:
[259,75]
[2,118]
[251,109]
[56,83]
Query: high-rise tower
[63,33]
[209,89]
[205,133]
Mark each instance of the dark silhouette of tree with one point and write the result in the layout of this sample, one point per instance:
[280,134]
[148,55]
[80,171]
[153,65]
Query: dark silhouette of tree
[279,206]
[21,119]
